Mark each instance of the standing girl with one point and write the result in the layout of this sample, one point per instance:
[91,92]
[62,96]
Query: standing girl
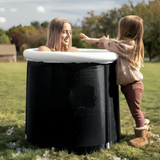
[129,46]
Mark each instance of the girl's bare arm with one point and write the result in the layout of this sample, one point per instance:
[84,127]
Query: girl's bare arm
[99,42]
[89,40]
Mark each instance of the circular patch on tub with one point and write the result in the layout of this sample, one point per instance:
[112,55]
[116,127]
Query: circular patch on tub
[82,96]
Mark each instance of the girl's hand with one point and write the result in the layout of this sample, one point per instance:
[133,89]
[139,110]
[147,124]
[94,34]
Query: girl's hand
[89,40]
[83,35]
[101,41]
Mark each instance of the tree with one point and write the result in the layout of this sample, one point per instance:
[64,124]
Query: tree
[16,35]
[152,28]
[4,39]
[35,24]
[101,25]
[20,29]
[108,23]
[76,39]
[17,39]
[36,38]
[23,47]
[44,24]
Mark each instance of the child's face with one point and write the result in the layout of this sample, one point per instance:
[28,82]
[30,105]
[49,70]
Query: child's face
[66,35]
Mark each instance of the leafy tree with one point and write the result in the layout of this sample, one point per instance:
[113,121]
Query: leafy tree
[45,24]
[35,24]
[89,24]
[16,35]
[17,39]
[126,10]
[36,38]
[76,39]
[20,29]
[4,39]
[22,48]
[108,23]
[101,25]
[151,19]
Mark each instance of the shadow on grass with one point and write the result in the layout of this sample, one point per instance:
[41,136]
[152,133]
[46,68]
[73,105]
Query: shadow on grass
[13,138]
[125,138]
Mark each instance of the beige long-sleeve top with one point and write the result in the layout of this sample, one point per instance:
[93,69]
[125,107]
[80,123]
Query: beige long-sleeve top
[125,72]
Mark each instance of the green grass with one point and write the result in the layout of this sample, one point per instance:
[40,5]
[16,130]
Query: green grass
[12,114]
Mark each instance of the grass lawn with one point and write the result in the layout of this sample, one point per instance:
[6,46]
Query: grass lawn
[12,116]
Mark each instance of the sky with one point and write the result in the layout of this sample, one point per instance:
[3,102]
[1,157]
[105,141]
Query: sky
[16,12]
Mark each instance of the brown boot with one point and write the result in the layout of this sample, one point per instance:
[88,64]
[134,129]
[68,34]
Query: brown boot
[147,122]
[140,139]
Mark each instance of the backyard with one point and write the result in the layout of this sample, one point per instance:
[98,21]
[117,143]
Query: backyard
[13,144]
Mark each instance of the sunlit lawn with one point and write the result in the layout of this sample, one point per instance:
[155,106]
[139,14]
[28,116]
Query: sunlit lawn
[12,116]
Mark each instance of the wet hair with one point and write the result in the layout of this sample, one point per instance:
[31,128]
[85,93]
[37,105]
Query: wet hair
[131,28]
[55,29]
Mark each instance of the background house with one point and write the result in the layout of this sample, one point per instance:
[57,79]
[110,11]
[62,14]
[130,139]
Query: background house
[8,53]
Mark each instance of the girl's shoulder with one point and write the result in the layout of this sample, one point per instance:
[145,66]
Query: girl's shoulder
[44,48]
[127,44]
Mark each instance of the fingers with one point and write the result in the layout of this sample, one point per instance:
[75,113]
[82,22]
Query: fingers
[106,37]
[102,39]
[83,35]
[83,39]
[86,40]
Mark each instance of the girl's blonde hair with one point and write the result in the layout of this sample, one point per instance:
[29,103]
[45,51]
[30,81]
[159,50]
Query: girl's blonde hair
[55,29]
[131,28]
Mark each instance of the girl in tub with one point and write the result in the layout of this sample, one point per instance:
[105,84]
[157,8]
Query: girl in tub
[59,37]
[129,46]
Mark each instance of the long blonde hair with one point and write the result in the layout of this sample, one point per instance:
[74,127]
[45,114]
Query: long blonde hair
[55,29]
[131,28]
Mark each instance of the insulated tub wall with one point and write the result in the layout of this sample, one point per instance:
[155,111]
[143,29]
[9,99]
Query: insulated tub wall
[72,106]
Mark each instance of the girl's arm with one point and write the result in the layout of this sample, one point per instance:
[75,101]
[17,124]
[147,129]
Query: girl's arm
[110,44]
[96,41]
[89,40]
[123,50]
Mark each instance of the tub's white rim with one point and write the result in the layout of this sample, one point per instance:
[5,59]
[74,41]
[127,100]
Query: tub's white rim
[84,56]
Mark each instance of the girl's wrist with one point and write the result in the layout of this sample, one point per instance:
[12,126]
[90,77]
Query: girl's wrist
[94,40]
